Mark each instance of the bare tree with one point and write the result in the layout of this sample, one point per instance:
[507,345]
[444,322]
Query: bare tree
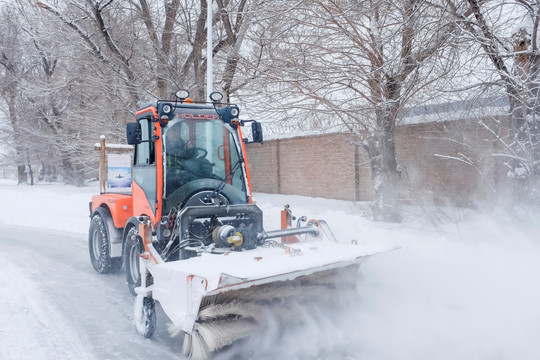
[88,65]
[231,22]
[236,19]
[508,35]
[13,68]
[353,66]
[49,99]
[170,52]
[90,22]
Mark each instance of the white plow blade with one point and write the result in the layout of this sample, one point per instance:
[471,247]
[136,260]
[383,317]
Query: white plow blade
[185,287]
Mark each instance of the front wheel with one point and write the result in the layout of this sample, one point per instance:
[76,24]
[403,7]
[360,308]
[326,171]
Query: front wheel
[145,316]
[133,247]
[99,247]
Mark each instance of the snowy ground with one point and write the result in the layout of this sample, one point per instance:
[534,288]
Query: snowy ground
[464,285]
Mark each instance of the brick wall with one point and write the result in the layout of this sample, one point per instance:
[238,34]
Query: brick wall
[429,173]
[333,166]
[448,162]
[264,167]
[326,166]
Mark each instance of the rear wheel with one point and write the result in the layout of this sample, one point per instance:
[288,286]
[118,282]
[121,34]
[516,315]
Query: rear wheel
[99,247]
[132,249]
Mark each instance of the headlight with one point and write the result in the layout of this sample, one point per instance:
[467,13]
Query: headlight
[216,96]
[182,94]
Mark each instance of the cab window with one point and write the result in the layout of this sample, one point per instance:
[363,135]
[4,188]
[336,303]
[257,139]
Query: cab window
[144,152]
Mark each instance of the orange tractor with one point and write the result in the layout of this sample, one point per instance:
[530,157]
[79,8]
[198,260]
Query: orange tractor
[190,237]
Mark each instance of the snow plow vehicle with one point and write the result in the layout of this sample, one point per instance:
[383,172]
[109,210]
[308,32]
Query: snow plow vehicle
[190,237]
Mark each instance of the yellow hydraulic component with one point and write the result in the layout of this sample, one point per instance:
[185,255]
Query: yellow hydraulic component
[237,239]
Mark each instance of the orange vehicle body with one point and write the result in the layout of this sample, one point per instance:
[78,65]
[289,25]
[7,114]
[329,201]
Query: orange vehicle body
[122,207]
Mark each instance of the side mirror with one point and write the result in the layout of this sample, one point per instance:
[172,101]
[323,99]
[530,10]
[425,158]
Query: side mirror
[256,131]
[133,133]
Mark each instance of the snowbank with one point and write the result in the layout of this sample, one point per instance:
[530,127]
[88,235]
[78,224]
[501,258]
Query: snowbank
[46,206]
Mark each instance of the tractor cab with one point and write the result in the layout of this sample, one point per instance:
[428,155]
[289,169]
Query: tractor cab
[189,154]
[203,154]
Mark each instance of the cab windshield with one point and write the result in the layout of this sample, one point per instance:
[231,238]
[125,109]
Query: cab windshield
[200,149]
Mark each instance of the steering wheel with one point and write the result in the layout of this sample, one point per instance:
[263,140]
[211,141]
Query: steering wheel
[198,152]
[189,153]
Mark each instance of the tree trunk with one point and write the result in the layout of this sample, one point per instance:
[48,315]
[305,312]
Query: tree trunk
[382,154]
[385,177]
[30,171]
[21,168]
[67,168]
[21,174]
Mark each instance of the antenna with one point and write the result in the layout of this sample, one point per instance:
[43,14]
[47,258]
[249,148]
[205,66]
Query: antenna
[209,61]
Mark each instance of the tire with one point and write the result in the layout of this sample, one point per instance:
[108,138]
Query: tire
[132,249]
[99,247]
[145,316]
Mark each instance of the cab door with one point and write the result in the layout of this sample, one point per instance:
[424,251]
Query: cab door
[144,178]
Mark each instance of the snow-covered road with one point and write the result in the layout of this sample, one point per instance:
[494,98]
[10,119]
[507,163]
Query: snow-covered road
[463,286]
[55,306]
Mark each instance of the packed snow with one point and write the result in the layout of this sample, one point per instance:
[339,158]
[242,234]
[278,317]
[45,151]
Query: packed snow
[462,285]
